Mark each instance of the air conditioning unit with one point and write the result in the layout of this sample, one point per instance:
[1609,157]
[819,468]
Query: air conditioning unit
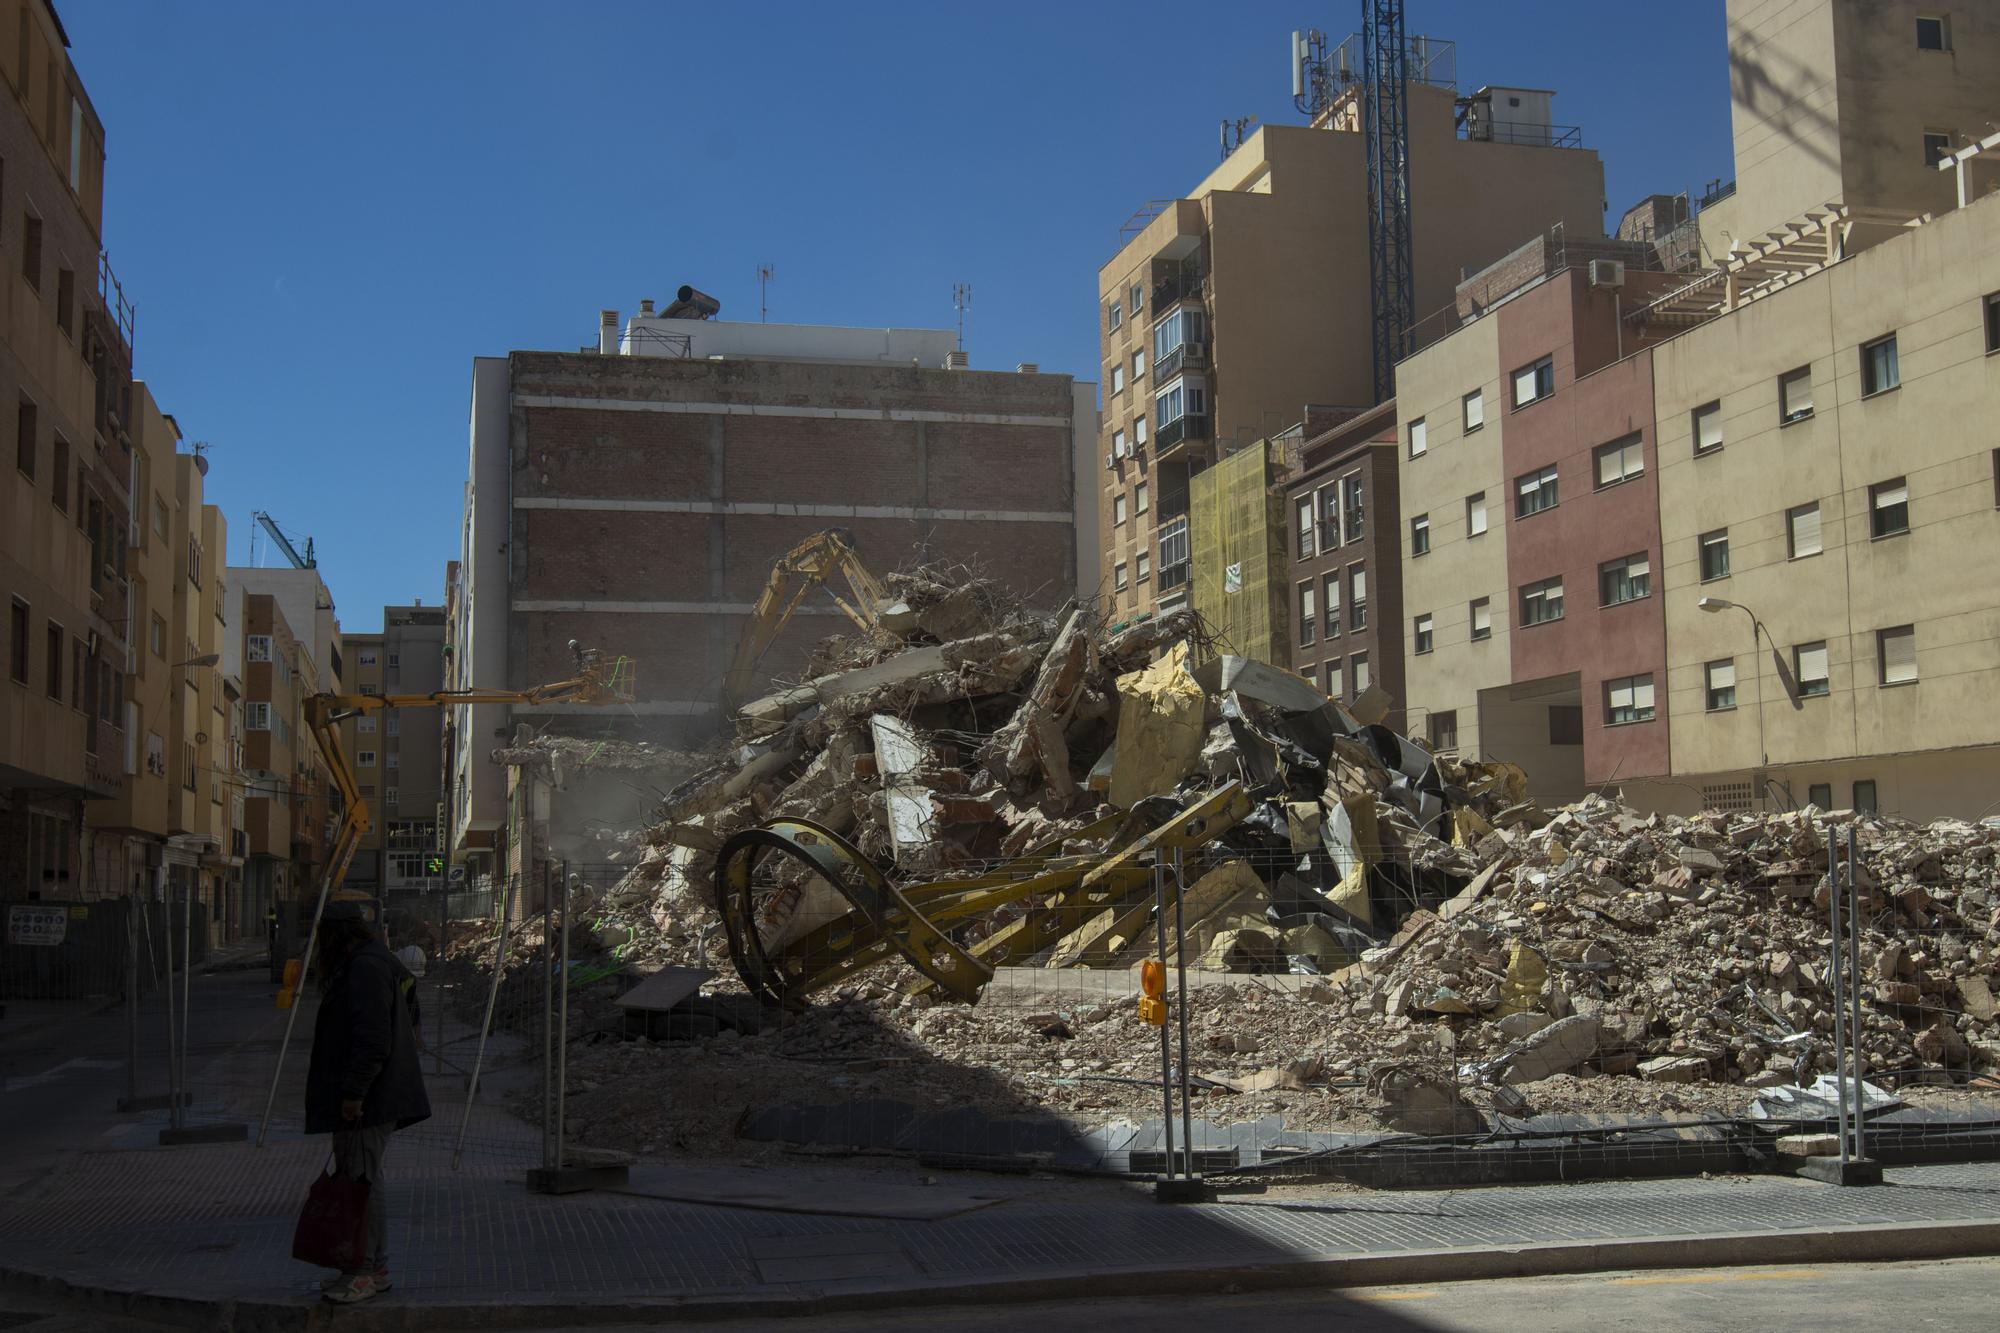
[1607,273]
[1197,351]
[1110,462]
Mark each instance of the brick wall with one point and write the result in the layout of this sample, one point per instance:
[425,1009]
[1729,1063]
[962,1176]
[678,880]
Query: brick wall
[725,489]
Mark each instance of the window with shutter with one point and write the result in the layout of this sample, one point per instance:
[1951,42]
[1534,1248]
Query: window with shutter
[1810,670]
[1795,395]
[1707,427]
[1889,508]
[1721,684]
[1420,440]
[1897,649]
[1423,634]
[1482,618]
[1475,514]
[1802,525]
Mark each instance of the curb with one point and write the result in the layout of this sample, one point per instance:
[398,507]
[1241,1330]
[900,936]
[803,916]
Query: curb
[1886,1243]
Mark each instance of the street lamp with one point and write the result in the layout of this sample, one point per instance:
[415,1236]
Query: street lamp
[1756,662]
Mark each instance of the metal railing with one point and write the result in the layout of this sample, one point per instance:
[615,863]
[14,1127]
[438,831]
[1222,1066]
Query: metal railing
[1182,429]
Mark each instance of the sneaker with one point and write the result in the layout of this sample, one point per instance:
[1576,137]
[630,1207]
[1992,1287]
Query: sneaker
[353,1288]
[382,1282]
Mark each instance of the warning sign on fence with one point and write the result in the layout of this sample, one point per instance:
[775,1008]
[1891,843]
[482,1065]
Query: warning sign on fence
[36,923]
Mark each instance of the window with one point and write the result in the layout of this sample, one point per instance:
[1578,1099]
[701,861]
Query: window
[1542,602]
[1138,362]
[1795,401]
[366,758]
[368,791]
[1118,577]
[1330,603]
[1473,405]
[194,562]
[1821,795]
[392,797]
[1423,636]
[1565,724]
[1138,507]
[1118,508]
[157,636]
[1864,797]
[1352,511]
[1357,599]
[1878,366]
[1182,398]
[1706,423]
[1888,508]
[1626,579]
[160,517]
[1534,382]
[56,639]
[1809,669]
[1306,617]
[1937,146]
[1714,550]
[17,641]
[59,476]
[1329,517]
[1993,323]
[1443,730]
[393,759]
[257,717]
[1419,438]
[1621,460]
[364,726]
[1475,514]
[367,657]
[1996,478]
[31,251]
[1303,511]
[1535,492]
[257,647]
[187,766]
[1420,534]
[1118,444]
[1721,684]
[1896,650]
[27,438]
[1138,433]
[1802,530]
[1628,699]
[66,302]
[1933,32]
[1174,546]
[1357,666]
[1114,315]
[1142,563]
[1118,378]
[1180,328]
[1335,678]
[1480,613]
[1136,296]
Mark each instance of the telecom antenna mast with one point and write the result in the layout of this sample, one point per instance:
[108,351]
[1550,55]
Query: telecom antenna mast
[1312,83]
[961,300]
[765,272]
[1392,287]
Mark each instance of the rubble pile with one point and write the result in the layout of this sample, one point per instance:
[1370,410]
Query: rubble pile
[1379,936]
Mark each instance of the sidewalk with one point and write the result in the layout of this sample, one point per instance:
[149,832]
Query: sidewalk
[201,1235]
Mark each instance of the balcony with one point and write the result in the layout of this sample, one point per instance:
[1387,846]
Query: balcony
[1179,437]
[1173,576]
[1173,288]
[1186,356]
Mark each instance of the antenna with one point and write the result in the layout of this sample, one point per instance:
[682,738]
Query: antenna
[1312,83]
[1233,134]
[765,272]
[961,300]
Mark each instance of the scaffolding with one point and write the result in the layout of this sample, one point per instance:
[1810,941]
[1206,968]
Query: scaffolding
[1236,529]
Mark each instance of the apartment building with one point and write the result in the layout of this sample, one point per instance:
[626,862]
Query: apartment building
[1743,504]
[397,756]
[288,809]
[1225,310]
[633,499]
[1852,101]
[1343,567]
[65,374]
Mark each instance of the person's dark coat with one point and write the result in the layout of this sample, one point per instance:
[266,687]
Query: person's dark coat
[365,1047]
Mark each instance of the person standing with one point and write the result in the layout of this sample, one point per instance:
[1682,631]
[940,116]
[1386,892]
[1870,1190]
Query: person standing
[364,1081]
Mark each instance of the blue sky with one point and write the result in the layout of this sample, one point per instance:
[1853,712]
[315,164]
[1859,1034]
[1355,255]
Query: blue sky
[324,212]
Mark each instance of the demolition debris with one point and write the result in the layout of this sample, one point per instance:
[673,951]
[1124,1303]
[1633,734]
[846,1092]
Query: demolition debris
[926,874]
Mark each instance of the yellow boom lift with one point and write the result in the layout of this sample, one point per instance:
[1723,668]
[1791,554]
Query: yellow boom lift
[793,577]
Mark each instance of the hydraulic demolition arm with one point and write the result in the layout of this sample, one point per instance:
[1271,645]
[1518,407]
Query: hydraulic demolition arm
[795,574]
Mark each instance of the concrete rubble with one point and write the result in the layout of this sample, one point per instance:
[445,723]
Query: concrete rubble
[1387,938]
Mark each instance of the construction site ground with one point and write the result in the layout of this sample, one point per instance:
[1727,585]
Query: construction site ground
[200,1235]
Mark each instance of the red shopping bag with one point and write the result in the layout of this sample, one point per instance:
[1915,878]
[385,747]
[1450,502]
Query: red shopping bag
[333,1225]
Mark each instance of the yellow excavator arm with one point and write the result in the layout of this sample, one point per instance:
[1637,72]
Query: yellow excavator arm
[805,567]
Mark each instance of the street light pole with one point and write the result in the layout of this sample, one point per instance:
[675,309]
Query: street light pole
[1757,634]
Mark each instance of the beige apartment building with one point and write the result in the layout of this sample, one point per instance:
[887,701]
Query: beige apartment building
[1225,313]
[65,378]
[397,757]
[1852,101]
[1833,442]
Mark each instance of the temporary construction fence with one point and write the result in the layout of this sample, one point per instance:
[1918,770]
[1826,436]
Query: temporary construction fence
[55,950]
